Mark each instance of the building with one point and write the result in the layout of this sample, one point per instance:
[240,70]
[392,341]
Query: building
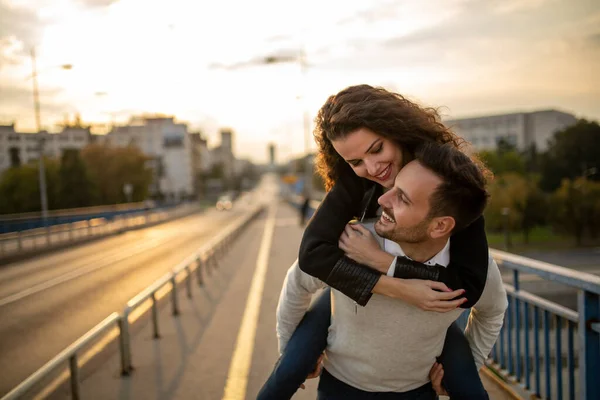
[520,129]
[201,161]
[22,148]
[168,145]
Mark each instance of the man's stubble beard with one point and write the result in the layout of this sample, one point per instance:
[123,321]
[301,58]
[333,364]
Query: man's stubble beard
[414,234]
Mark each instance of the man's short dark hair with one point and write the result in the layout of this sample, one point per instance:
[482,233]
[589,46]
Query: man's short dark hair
[462,194]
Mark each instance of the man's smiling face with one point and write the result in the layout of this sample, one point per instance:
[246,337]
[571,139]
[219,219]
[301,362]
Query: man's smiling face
[406,206]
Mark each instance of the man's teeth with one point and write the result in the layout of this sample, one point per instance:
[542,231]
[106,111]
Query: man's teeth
[386,217]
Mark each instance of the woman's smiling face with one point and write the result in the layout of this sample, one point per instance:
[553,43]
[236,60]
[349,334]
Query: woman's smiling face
[370,155]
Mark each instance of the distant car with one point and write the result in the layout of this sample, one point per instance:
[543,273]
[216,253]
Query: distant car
[224,203]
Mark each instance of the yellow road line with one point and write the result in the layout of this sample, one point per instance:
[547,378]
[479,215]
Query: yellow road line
[237,379]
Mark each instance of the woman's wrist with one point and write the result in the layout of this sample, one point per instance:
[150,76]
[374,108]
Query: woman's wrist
[381,261]
[390,287]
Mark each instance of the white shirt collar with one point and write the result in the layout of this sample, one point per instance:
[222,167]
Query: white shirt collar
[442,258]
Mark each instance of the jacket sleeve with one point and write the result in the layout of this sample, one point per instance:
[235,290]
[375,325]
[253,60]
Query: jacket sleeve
[320,255]
[468,264]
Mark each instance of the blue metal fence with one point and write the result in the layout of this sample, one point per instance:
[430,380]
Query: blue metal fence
[551,351]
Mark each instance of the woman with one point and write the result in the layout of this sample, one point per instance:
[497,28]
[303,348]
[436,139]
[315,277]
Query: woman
[392,128]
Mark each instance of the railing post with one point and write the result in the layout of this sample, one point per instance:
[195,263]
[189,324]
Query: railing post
[174,295]
[74,377]
[517,327]
[199,271]
[589,345]
[125,343]
[48,233]
[155,316]
[188,281]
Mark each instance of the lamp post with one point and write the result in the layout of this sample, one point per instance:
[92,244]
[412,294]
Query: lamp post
[301,60]
[38,126]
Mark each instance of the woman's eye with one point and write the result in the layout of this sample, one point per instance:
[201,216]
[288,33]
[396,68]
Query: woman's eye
[355,163]
[377,149]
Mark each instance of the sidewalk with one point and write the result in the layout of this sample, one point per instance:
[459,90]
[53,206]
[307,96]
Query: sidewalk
[192,358]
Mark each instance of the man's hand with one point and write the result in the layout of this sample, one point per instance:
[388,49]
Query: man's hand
[316,372]
[427,295]
[435,376]
[360,245]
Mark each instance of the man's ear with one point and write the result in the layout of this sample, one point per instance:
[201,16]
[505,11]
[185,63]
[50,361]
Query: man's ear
[441,226]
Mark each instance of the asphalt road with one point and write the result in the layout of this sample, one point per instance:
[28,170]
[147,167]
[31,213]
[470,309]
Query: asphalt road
[582,260]
[48,302]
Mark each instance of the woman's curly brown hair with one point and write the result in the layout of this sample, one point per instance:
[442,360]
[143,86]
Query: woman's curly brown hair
[387,114]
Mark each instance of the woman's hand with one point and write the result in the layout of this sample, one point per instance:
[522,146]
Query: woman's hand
[427,295]
[435,376]
[360,245]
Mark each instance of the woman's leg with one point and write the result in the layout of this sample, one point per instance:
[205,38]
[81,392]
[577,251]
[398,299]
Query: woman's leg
[461,378]
[302,352]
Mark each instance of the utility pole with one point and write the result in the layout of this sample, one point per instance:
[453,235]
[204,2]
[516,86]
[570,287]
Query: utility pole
[38,125]
[308,167]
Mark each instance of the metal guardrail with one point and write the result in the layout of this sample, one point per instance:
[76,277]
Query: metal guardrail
[69,354]
[17,243]
[529,316]
[206,256]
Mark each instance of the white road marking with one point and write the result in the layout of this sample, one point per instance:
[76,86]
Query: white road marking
[91,267]
[237,379]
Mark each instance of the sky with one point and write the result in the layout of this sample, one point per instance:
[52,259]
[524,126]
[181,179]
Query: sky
[203,61]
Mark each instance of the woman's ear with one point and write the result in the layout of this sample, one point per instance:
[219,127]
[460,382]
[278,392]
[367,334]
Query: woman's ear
[442,226]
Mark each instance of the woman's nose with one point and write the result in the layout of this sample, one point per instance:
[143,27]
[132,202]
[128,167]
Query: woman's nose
[371,168]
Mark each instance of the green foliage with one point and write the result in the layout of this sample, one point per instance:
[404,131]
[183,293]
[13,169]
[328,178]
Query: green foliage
[502,162]
[75,187]
[572,152]
[110,168]
[576,208]
[95,176]
[526,204]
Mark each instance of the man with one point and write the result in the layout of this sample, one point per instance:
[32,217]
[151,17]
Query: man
[388,347]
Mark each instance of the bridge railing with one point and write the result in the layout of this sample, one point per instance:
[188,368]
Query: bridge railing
[34,240]
[549,350]
[201,262]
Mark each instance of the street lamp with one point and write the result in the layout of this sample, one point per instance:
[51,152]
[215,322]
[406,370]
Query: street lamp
[38,125]
[301,60]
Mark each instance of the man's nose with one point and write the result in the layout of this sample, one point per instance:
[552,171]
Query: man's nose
[383,200]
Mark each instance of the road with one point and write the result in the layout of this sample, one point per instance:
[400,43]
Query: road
[583,260]
[48,302]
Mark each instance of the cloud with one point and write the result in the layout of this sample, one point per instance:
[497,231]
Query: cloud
[19,23]
[96,3]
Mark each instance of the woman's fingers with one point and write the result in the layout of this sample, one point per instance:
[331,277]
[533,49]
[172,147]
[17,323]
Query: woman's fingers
[439,286]
[359,228]
[445,305]
[449,295]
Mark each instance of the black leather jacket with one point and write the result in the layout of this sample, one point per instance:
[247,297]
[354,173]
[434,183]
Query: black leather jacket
[352,197]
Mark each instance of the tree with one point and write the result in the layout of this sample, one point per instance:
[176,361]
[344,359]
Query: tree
[576,207]
[110,168]
[20,188]
[75,188]
[522,196]
[503,161]
[572,152]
